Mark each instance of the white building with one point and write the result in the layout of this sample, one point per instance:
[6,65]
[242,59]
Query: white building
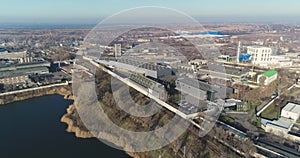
[260,55]
[270,76]
[292,111]
[118,50]
[197,62]
[280,61]
[13,55]
[284,124]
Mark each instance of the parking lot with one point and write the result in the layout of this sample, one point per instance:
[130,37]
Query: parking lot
[188,108]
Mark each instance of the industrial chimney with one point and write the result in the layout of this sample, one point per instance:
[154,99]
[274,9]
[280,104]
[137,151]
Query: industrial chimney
[238,52]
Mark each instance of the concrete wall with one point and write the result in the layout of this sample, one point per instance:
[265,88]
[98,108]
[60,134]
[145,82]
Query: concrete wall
[281,133]
[13,55]
[190,90]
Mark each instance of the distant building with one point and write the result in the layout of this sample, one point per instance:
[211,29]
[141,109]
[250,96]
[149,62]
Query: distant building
[21,57]
[13,55]
[280,61]
[270,76]
[260,55]
[118,50]
[224,58]
[19,73]
[244,58]
[265,56]
[14,80]
[198,62]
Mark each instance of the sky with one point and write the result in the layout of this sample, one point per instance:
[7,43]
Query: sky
[81,11]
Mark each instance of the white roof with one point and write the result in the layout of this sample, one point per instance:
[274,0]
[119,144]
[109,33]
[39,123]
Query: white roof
[282,124]
[256,46]
[292,107]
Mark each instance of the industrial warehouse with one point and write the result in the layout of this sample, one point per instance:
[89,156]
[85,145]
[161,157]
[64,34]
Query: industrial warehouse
[202,90]
[129,64]
[19,73]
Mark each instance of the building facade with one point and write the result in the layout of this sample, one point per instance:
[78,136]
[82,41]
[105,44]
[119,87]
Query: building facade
[14,80]
[264,56]
[118,50]
[270,76]
[202,90]
[19,73]
[260,55]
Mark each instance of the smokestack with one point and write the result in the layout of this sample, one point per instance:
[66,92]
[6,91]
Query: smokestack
[118,51]
[238,53]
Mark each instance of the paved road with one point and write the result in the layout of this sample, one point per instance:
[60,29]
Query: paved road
[265,106]
[35,88]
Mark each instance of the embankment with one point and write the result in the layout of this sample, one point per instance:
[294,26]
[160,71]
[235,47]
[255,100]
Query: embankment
[64,90]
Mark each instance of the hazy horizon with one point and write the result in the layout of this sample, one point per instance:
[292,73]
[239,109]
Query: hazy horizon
[92,12]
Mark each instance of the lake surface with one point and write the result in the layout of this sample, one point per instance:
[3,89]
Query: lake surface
[32,129]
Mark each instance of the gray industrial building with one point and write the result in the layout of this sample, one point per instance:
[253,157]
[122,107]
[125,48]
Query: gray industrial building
[202,90]
[227,72]
[17,73]
[137,66]
[154,88]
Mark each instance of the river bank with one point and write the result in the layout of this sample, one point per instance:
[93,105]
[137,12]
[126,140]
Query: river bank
[75,125]
[70,118]
[64,90]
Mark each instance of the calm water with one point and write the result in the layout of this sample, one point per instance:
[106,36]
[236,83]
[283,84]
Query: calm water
[32,129]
